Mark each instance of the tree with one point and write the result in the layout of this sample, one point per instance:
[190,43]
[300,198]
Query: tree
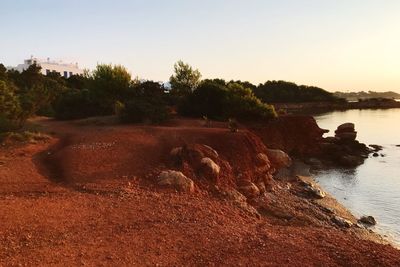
[185,79]
[282,91]
[108,85]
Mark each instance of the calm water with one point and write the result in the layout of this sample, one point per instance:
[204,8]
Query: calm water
[374,187]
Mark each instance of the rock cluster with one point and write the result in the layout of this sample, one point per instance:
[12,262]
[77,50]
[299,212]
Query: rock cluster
[343,149]
[208,170]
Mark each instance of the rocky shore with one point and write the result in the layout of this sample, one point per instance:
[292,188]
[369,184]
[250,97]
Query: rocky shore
[320,107]
[302,138]
[177,194]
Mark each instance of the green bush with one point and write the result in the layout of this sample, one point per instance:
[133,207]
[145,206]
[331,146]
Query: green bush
[207,100]
[74,104]
[144,110]
[147,104]
[216,100]
[10,109]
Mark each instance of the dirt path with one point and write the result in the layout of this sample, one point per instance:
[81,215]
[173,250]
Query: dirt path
[124,222]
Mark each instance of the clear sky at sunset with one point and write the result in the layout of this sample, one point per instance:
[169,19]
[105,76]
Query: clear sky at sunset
[337,45]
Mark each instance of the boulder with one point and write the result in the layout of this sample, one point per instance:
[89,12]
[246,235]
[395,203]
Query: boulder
[346,132]
[209,169]
[368,220]
[278,158]
[249,189]
[176,180]
[346,127]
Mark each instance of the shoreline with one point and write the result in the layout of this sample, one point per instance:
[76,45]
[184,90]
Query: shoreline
[364,232]
[301,171]
[322,107]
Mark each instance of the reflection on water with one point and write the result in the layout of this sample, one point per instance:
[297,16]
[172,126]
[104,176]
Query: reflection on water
[374,187]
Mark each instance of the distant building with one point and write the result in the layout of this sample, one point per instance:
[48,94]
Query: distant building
[64,69]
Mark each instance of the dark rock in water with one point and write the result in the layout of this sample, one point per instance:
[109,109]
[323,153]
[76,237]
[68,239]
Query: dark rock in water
[398,145]
[369,220]
[376,147]
[346,127]
[383,155]
[375,154]
[350,161]
[346,132]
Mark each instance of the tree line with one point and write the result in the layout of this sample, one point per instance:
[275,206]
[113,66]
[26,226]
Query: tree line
[111,90]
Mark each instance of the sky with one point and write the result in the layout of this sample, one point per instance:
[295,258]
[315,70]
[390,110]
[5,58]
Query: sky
[346,45]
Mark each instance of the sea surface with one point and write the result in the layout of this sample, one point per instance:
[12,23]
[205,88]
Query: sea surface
[374,187]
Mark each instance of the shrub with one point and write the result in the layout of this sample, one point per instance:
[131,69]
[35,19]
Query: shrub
[10,109]
[242,103]
[74,104]
[217,100]
[207,100]
[144,110]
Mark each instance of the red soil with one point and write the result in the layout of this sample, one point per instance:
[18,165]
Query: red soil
[296,135]
[91,202]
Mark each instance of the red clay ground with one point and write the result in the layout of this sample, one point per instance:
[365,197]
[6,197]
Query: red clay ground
[73,210]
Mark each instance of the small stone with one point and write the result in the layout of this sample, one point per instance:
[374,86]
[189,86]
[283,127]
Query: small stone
[375,155]
[316,192]
[342,222]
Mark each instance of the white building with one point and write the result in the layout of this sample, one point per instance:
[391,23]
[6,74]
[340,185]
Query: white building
[65,70]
